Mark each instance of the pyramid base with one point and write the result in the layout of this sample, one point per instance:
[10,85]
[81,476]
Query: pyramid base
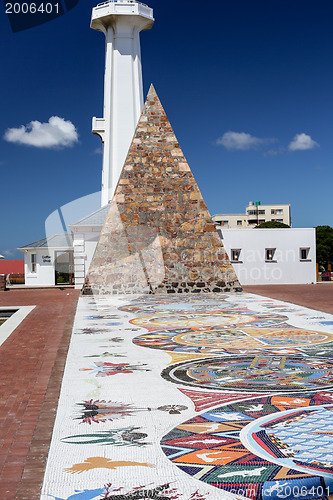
[163,288]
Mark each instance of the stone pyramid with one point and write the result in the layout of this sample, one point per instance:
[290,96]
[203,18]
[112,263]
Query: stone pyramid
[158,236]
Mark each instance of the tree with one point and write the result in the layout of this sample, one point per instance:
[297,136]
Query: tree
[271,224]
[324,244]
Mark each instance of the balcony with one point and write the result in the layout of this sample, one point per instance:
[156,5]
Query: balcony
[98,127]
[124,7]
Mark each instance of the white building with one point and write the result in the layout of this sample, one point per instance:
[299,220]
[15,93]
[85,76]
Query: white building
[49,261]
[121,22]
[272,256]
[86,233]
[64,259]
[255,213]
[259,257]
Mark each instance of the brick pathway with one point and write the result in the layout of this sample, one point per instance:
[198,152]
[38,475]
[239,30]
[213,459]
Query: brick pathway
[318,296]
[35,350]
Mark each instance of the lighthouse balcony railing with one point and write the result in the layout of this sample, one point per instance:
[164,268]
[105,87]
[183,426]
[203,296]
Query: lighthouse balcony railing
[103,4]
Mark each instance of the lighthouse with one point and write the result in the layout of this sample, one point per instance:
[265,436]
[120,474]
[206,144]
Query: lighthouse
[121,22]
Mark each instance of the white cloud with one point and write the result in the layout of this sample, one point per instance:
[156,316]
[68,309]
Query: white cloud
[56,133]
[271,152]
[301,142]
[98,151]
[241,141]
[8,253]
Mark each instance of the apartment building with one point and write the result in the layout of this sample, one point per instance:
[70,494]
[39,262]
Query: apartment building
[255,213]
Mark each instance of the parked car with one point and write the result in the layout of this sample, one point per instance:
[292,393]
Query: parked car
[326,276]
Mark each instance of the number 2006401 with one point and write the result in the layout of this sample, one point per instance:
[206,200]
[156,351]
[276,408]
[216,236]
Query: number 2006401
[32,8]
[301,491]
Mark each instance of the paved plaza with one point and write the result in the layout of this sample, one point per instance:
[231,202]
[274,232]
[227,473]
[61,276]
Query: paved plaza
[192,397]
[194,392]
[32,361]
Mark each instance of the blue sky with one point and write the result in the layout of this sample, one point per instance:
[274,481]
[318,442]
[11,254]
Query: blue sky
[247,86]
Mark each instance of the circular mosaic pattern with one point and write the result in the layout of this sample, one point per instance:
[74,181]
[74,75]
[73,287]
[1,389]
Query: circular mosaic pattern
[173,305]
[208,319]
[263,373]
[242,447]
[217,340]
[302,440]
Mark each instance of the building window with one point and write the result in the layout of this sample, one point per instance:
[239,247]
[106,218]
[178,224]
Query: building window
[279,211]
[261,212]
[279,220]
[235,254]
[304,253]
[224,222]
[239,223]
[251,212]
[269,254]
[33,263]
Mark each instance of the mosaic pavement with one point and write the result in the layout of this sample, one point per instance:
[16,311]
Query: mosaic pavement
[194,397]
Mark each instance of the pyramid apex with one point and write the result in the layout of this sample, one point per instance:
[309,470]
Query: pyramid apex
[151,92]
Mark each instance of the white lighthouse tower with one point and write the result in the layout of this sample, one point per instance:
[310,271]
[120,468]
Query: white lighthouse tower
[121,22]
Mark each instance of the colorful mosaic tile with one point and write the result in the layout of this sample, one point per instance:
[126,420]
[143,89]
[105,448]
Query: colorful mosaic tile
[194,417]
[254,373]
[255,449]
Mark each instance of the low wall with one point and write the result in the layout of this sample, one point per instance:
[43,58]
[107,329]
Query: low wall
[2,282]
[16,279]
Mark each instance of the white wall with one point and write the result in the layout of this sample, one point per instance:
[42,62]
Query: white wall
[286,267]
[251,269]
[44,275]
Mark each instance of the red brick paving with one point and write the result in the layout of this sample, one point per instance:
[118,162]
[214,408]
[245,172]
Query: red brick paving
[318,296]
[33,360]
[34,351]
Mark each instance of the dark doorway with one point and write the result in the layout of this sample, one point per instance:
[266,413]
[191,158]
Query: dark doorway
[64,268]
